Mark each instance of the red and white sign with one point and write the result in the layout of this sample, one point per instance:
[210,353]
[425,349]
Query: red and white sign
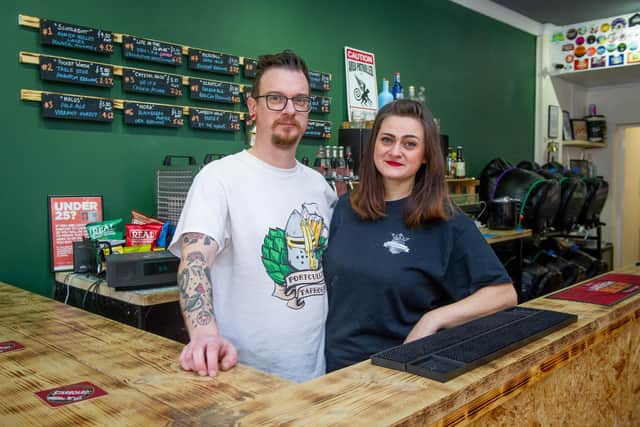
[7,346]
[362,89]
[72,393]
[68,216]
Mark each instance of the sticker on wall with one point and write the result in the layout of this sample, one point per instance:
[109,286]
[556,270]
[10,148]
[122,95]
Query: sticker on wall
[571,34]
[591,39]
[598,62]
[581,64]
[633,57]
[601,50]
[582,30]
[580,40]
[634,20]
[557,37]
[591,51]
[602,39]
[569,59]
[619,23]
[580,51]
[594,29]
[605,27]
[616,59]
[611,47]
[622,47]
[568,47]
[633,45]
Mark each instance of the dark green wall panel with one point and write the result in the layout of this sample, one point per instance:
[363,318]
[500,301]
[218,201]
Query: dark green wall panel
[479,75]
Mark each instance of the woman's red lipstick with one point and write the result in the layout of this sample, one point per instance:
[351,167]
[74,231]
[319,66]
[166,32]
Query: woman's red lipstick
[393,164]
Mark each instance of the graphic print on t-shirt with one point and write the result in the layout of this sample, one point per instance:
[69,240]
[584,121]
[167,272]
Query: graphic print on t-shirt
[291,256]
[397,244]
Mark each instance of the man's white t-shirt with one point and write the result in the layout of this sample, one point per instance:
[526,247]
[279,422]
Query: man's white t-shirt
[271,226]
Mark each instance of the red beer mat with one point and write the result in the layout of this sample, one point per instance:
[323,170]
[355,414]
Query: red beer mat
[72,393]
[7,346]
[606,290]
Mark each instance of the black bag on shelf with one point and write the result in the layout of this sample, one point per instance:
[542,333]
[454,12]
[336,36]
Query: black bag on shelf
[537,280]
[539,197]
[573,193]
[490,173]
[596,196]
[570,271]
[593,266]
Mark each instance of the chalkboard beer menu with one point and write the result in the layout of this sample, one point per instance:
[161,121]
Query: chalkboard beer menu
[214,120]
[75,71]
[139,114]
[319,81]
[71,107]
[213,62]
[151,83]
[75,37]
[151,50]
[209,90]
[318,129]
[320,104]
[250,68]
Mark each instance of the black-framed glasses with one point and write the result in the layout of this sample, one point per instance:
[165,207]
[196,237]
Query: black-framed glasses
[276,102]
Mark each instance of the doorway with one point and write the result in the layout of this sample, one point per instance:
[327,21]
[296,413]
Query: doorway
[628,196]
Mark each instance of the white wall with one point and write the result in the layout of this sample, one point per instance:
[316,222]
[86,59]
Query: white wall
[620,105]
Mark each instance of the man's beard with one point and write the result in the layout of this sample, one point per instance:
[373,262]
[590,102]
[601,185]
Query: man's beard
[288,139]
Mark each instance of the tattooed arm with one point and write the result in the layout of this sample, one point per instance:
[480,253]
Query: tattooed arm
[207,350]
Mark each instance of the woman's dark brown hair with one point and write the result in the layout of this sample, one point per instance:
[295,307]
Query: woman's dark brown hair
[429,199]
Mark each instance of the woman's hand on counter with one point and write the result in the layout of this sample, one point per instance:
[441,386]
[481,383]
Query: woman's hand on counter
[207,354]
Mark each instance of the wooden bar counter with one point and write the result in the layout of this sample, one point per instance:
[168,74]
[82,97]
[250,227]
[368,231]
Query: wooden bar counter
[587,373]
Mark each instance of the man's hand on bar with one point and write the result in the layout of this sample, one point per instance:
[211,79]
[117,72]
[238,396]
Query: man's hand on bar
[207,354]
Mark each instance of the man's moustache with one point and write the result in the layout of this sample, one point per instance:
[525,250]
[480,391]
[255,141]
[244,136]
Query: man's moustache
[287,122]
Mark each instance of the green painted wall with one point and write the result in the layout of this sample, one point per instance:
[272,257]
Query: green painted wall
[479,75]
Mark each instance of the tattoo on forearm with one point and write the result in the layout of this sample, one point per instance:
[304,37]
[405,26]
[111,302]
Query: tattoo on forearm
[195,289]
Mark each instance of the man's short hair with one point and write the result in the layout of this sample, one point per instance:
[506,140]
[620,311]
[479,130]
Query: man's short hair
[286,59]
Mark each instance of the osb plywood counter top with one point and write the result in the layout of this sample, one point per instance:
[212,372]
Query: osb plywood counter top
[145,384]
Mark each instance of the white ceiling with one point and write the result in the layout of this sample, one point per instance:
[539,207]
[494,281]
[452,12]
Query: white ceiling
[566,12]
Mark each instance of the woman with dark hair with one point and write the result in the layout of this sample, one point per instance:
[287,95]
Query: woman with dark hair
[402,261]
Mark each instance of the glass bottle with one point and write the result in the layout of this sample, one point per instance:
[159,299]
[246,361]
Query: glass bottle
[422,97]
[396,89]
[412,93]
[385,96]
[318,163]
[349,162]
[460,165]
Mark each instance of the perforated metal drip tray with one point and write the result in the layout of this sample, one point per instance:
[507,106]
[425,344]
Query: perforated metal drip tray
[452,352]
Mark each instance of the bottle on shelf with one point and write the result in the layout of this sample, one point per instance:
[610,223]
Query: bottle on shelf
[385,96]
[453,164]
[334,162]
[396,90]
[412,93]
[450,164]
[460,165]
[350,174]
[422,97]
[341,166]
[318,163]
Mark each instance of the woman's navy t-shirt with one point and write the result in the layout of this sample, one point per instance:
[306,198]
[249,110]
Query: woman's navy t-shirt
[382,277]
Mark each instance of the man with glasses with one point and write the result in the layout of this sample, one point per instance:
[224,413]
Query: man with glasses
[251,237]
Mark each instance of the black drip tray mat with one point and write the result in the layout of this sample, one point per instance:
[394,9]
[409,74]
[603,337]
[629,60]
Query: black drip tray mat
[456,350]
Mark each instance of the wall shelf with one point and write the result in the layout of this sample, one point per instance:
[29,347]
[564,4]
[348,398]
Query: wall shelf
[625,74]
[583,144]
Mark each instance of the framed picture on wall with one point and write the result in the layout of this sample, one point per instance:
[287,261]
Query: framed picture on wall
[552,130]
[567,134]
[68,216]
[579,129]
